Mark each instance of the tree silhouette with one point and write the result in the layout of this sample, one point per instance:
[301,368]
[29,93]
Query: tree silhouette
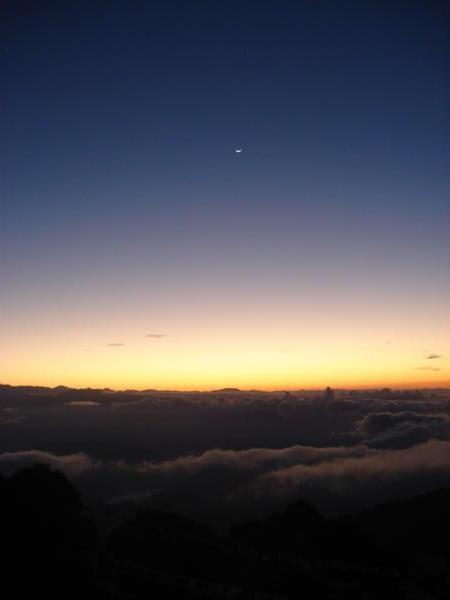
[50,544]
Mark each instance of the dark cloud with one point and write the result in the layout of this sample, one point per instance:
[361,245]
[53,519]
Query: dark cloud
[156,335]
[402,429]
[10,416]
[376,423]
[404,435]
[432,356]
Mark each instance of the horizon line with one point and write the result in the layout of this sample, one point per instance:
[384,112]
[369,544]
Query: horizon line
[226,388]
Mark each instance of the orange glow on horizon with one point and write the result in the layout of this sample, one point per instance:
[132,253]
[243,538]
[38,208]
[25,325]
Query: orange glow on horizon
[120,368]
[217,345]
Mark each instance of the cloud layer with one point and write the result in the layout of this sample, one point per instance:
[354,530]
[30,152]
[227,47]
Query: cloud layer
[347,474]
[233,453]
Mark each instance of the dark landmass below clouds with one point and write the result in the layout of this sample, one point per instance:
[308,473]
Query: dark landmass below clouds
[60,546]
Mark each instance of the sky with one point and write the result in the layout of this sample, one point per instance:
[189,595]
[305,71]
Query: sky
[138,250]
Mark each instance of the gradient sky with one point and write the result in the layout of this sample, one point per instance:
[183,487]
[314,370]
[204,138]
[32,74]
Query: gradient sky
[319,256]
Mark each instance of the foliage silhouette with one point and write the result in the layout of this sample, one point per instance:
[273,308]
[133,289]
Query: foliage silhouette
[50,544]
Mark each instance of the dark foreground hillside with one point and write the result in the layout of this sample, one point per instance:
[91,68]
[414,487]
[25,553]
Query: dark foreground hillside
[57,547]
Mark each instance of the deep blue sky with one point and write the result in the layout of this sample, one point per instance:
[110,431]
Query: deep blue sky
[120,188]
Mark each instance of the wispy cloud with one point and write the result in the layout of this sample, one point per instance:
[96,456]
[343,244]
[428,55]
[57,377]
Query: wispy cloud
[115,345]
[70,464]
[133,496]
[427,369]
[416,464]
[431,356]
[156,335]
